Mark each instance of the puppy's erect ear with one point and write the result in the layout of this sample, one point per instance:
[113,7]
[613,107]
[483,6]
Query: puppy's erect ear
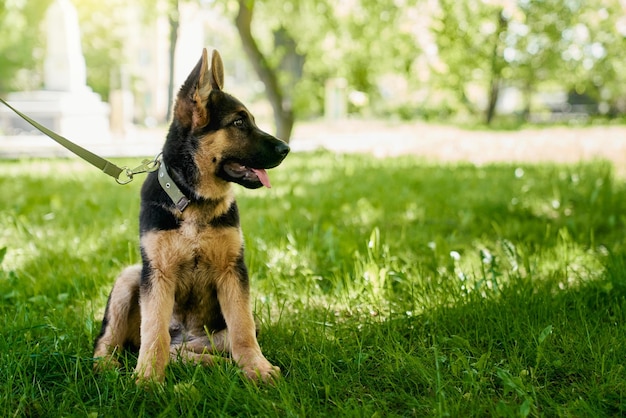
[191,109]
[217,71]
[201,93]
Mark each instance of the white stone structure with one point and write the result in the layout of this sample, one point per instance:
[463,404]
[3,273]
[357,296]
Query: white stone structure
[66,104]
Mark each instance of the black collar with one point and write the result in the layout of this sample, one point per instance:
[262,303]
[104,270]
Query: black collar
[180,200]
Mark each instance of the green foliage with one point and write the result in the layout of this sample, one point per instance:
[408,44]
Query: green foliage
[359,41]
[466,36]
[481,47]
[103,35]
[386,287]
[544,45]
[570,45]
[21,42]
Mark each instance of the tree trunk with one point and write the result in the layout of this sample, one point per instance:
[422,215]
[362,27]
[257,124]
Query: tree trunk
[528,96]
[494,92]
[496,68]
[283,113]
[174,21]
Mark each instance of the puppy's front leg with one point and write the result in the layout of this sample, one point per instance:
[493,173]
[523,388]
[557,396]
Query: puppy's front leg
[157,306]
[234,298]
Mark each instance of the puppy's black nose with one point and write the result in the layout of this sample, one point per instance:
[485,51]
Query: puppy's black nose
[282,149]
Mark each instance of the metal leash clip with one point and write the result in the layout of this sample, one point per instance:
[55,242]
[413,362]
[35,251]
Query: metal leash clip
[146,166]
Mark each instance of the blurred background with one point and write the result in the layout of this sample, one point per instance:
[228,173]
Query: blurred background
[472,63]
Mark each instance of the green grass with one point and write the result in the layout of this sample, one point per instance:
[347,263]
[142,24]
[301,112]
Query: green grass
[385,287]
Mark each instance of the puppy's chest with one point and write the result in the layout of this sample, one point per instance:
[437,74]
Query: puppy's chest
[195,232]
[210,247]
[213,252]
[205,244]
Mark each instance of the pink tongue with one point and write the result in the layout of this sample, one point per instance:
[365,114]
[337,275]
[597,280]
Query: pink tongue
[263,177]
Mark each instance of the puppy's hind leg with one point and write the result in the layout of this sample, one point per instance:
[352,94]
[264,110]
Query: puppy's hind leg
[121,322]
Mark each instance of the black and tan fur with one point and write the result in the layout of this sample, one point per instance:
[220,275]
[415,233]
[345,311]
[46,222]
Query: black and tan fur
[190,298]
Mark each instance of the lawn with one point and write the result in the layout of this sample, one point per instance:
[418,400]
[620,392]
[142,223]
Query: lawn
[385,287]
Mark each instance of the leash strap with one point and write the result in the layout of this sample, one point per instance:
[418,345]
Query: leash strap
[180,200]
[123,175]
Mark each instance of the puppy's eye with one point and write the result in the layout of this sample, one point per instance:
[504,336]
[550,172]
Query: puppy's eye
[238,123]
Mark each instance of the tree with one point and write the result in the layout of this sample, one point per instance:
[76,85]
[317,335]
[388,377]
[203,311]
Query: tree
[469,37]
[173,18]
[531,45]
[301,44]
[283,112]
[374,38]
[496,67]
[536,46]
[600,68]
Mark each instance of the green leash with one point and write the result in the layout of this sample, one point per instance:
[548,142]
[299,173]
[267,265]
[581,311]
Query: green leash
[122,175]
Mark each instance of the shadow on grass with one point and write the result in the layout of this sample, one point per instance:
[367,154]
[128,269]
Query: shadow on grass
[532,348]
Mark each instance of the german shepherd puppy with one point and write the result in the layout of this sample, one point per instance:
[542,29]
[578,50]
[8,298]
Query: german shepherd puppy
[190,299]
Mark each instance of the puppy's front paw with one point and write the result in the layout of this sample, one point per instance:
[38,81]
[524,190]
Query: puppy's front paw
[105,363]
[147,374]
[258,369]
